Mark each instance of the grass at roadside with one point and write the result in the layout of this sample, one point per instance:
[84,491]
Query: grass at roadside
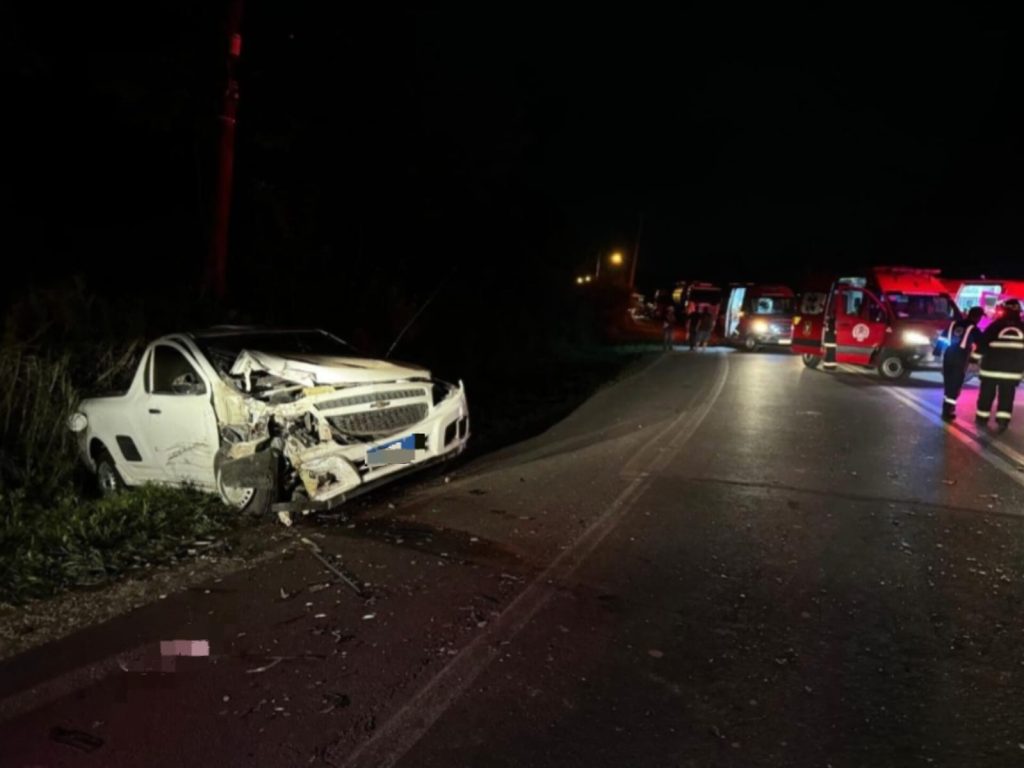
[74,542]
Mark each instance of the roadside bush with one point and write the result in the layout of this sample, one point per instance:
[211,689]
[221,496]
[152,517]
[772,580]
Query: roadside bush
[72,541]
[38,391]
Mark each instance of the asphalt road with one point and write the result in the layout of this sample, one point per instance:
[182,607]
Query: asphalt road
[719,560]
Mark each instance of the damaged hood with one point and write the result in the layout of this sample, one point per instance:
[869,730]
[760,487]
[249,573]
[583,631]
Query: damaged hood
[311,370]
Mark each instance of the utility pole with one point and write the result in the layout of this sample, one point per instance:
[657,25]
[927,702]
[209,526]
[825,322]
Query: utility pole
[636,254]
[218,263]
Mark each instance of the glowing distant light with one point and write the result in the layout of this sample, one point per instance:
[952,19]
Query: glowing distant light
[586,279]
[616,258]
[579,281]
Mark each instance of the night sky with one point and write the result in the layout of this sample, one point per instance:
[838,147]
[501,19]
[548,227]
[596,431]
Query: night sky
[496,139]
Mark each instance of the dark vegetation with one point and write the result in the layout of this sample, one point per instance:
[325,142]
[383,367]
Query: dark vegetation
[357,203]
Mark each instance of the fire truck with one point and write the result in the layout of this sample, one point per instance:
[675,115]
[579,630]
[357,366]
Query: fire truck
[757,316]
[887,319]
[985,293]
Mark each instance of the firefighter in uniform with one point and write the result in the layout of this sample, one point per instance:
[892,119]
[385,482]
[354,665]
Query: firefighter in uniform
[1002,365]
[961,341]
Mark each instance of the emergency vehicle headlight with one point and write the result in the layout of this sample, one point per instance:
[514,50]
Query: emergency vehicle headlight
[797,319]
[759,326]
[915,338]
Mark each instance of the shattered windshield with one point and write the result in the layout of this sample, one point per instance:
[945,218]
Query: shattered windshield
[223,350]
[772,305]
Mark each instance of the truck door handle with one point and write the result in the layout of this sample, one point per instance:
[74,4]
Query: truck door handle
[154,410]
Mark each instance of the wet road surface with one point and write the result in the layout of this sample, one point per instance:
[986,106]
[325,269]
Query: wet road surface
[721,559]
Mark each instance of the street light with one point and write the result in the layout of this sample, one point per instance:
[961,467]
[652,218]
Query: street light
[616,259]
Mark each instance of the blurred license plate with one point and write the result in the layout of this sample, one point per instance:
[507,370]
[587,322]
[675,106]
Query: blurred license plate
[399,451]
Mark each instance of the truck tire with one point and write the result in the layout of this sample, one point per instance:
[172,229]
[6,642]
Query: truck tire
[811,361]
[892,367]
[251,501]
[750,344]
[108,479]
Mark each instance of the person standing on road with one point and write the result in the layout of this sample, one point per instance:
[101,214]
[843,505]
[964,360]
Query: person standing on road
[1002,365]
[668,327]
[961,342]
[705,322]
[692,324]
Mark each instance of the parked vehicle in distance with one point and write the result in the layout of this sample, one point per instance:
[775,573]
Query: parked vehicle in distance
[293,420]
[887,319]
[983,292]
[693,296]
[758,316]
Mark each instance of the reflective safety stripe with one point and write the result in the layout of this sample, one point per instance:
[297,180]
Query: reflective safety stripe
[975,356]
[1003,415]
[950,400]
[1006,345]
[1000,375]
[829,344]
[967,335]
[983,414]
[829,365]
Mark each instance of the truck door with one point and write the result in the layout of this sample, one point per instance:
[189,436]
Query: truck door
[861,322]
[182,428]
[807,323]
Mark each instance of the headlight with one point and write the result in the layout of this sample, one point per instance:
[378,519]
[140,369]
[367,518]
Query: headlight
[77,422]
[915,338]
[759,326]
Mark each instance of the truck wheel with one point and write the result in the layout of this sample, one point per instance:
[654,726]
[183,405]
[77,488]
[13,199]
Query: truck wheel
[108,479]
[750,344]
[892,367]
[252,501]
[811,361]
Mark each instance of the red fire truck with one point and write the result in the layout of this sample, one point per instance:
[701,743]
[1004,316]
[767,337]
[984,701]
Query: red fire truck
[758,316]
[887,319]
[985,293]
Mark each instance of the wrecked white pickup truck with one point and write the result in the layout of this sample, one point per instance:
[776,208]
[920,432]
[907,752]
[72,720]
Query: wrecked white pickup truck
[270,419]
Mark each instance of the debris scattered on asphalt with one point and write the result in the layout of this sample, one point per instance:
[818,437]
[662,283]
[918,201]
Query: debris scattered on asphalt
[314,549]
[949,482]
[655,653]
[335,701]
[80,740]
[259,670]
[285,517]
[285,594]
[369,616]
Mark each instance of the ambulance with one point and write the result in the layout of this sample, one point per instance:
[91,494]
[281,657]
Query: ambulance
[758,316]
[985,293]
[887,319]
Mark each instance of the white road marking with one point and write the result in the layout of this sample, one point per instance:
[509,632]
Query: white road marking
[412,720]
[961,433]
[970,441]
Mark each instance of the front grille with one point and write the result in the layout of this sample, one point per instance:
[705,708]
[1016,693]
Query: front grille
[380,422]
[369,397]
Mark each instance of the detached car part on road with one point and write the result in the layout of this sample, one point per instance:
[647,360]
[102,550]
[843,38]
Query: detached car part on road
[281,419]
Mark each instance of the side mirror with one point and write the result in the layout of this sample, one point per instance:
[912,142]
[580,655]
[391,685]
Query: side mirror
[188,384]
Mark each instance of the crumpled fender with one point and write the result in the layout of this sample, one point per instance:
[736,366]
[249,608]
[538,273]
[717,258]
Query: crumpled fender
[258,469]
